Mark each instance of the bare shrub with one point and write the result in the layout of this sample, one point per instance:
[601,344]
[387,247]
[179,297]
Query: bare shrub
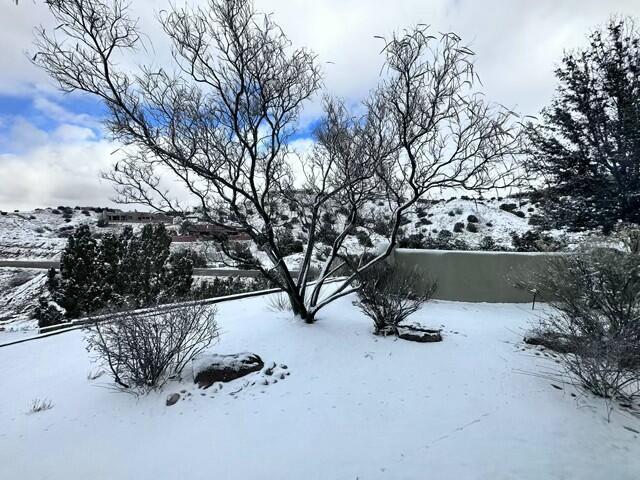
[143,351]
[596,295]
[389,297]
[40,405]
[602,368]
[279,302]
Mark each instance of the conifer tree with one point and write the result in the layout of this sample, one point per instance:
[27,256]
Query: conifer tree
[588,144]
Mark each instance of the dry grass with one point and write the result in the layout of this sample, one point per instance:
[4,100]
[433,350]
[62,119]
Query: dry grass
[40,405]
[279,302]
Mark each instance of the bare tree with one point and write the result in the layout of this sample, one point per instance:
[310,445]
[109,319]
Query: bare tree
[222,125]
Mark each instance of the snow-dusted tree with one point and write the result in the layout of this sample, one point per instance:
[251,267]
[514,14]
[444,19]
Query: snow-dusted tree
[587,145]
[222,125]
[127,270]
[80,289]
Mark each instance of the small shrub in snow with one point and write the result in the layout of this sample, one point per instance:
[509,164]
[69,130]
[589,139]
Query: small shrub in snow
[382,226]
[508,207]
[48,313]
[534,241]
[458,227]
[142,352]
[596,296]
[452,213]
[279,302]
[242,256]
[288,244]
[536,220]
[388,297]
[40,405]
[363,239]
[415,240]
[472,219]
[488,243]
[220,287]
[519,213]
[489,224]
[472,227]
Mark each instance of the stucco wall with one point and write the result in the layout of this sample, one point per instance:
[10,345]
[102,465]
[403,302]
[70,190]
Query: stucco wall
[474,276]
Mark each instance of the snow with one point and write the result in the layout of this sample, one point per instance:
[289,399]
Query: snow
[19,292]
[36,235]
[354,406]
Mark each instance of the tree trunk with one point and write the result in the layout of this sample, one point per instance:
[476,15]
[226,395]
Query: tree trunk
[299,308]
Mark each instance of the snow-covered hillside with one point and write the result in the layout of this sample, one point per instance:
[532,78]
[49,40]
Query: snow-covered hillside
[19,293]
[39,234]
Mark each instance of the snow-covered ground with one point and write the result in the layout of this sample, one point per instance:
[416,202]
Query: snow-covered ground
[19,292]
[354,406]
[37,235]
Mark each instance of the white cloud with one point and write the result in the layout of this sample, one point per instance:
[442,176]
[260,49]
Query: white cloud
[518,43]
[57,112]
[57,168]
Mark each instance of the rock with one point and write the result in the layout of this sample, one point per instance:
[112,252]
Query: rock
[269,370]
[549,340]
[224,368]
[173,399]
[419,334]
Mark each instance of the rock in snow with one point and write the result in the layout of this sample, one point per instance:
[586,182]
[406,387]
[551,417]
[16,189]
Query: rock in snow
[417,334]
[173,399]
[223,368]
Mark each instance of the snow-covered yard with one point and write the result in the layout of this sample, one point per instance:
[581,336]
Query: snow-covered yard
[354,406]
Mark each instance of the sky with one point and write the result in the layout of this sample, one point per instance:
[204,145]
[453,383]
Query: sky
[52,147]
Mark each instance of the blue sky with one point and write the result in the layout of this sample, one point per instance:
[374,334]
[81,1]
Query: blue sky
[52,149]
[47,114]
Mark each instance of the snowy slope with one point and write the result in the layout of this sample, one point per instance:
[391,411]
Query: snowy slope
[36,234]
[19,293]
[354,406]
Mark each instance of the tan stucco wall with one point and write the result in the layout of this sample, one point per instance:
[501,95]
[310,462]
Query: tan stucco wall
[474,276]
